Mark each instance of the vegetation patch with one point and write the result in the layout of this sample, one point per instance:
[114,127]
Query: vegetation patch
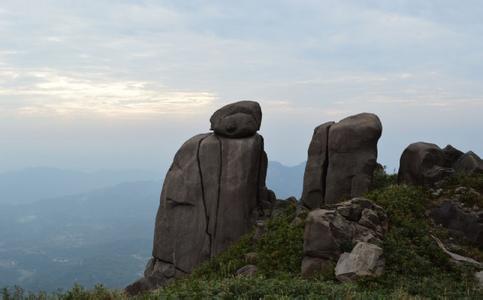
[279,250]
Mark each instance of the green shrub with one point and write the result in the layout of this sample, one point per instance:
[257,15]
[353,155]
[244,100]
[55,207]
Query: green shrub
[381,179]
[280,250]
[473,181]
[413,259]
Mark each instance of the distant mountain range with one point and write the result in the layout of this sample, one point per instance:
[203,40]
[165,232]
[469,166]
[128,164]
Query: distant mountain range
[32,184]
[59,227]
[285,181]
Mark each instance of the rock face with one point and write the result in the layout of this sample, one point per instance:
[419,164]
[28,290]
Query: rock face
[316,169]
[329,232]
[365,260]
[423,164]
[452,215]
[212,195]
[426,164]
[240,119]
[469,163]
[341,160]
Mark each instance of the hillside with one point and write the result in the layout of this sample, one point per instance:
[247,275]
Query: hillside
[416,267]
[98,236]
[106,232]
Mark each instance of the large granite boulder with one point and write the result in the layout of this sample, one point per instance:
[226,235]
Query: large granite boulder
[330,232]
[236,120]
[427,164]
[352,156]
[423,164]
[212,195]
[341,160]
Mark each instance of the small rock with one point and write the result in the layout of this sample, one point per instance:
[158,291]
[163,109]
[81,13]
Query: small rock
[460,190]
[247,271]
[260,230]
[251,257]
[436,193]
[365,260]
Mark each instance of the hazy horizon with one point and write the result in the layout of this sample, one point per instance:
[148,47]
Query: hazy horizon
[122,84]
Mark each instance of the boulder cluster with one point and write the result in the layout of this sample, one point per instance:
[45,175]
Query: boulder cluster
[340,233]
[215,192]
[427,164]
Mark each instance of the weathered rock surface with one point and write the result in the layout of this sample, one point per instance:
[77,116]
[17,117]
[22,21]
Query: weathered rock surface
[341,160]
[365,260]
[451,155]
[213,194]
[427,164]
[236,120]
[423,164]
[352,156]
[452,215]
[247,271]
[469,164]
[316,167]
[328,232]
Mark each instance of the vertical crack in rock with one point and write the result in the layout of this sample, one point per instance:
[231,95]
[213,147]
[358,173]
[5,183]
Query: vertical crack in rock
[260,161]
[207,217]
[325,167]
[212,248]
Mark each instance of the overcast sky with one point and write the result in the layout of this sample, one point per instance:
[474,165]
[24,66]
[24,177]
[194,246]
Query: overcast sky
[122,84]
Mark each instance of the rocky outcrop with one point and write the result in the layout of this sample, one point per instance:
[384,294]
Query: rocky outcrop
[341,160]
[365,260]
[423,164]
[330,232]
[426,164]
[469,164]
[460,220]
[212,195]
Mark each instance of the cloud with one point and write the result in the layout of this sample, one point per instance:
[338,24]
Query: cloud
[54,92]
[306,61]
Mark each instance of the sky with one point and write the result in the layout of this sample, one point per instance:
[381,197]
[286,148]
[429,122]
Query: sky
[122,84]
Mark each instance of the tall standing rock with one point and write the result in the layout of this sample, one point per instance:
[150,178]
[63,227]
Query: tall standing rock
[341,160]
[316,167]
[212,195]
[352,156]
